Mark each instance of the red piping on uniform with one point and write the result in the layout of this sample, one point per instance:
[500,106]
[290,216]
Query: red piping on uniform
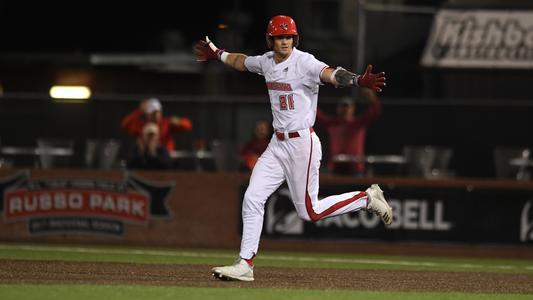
[312,214]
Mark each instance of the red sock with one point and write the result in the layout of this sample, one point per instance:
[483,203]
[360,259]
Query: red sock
[250,261]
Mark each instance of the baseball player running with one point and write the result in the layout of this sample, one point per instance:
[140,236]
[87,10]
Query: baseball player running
[292,78]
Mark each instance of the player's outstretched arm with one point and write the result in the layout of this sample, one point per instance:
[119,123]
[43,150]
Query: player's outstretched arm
[205,50]
[341,77]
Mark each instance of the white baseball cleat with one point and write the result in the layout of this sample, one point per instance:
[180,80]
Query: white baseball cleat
[240,270]
[377,204]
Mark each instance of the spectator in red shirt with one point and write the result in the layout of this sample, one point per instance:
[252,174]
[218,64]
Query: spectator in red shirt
[150,110]
[347,132]
[256,145]
[149,154]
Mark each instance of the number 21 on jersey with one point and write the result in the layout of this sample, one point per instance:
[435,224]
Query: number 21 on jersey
[286,102]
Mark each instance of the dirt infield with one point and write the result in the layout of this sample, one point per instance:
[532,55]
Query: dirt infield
[18,271]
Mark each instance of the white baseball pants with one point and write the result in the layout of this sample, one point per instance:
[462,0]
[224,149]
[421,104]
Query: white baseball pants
[296,160]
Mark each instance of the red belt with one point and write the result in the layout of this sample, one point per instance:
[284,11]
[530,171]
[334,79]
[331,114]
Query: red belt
[292,134]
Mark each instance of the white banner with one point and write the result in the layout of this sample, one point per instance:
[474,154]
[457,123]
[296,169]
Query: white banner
[480,39]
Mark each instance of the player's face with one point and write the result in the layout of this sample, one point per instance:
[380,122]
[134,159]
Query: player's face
[283,45]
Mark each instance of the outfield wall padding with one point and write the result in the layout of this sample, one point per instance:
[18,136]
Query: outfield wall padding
[202,210]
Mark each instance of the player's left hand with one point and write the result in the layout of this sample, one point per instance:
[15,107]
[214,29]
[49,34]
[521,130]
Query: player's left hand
[374,81]
[206,50]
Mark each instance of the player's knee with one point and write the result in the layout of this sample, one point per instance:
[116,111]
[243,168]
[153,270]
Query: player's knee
[251,194]
[305,216]
[314,218]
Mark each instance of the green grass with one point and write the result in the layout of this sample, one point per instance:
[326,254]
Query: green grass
[128,292]
[271,259]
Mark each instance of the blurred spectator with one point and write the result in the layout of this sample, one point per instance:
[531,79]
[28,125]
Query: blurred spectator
[149,153]
[347,132]
[256,145]
[150,110]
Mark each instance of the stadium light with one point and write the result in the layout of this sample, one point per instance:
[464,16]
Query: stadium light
[75,93]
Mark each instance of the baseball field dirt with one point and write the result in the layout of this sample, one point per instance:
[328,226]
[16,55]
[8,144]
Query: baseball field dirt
[70,272]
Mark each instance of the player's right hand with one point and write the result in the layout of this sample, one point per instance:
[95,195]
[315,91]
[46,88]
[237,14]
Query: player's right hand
[206,50]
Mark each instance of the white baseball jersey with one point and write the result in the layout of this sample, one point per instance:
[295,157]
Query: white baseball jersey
[293,90]
[292,87]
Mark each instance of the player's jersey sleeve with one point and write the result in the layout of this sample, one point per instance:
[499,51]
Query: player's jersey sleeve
[253,64]
[313,69]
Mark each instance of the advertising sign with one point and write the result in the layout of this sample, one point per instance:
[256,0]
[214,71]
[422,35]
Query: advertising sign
[420,214]
[480,39]
[65,205]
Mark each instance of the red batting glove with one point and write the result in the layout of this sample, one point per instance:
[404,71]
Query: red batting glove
[206,50]
[374,81]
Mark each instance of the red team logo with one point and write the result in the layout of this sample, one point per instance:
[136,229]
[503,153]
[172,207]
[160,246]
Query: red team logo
[279,86]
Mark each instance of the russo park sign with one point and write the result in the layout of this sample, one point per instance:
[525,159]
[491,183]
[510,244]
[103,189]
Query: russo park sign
[80,205]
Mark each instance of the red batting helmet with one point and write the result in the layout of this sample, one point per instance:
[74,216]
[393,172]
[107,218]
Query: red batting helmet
[281,25]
